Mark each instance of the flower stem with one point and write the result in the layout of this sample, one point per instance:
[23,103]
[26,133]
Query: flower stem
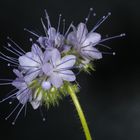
[80,113]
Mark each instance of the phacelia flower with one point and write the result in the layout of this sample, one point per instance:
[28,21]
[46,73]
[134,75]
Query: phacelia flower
[58,68]
[45,74]
[84,43]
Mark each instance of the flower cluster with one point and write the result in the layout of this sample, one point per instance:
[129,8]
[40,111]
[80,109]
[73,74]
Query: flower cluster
[44,73]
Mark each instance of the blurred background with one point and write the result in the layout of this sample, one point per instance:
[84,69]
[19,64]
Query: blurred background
[110,96]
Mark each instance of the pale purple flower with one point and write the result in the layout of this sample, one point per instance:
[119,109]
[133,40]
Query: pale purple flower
[84,42]
[31,63]
[24,93]
[58,70]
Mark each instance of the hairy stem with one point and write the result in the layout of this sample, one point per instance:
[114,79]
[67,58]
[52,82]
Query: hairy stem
[80,113]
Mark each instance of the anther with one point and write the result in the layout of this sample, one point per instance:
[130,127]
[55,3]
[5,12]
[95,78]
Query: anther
[123,34]
[10,103]
[114,53]
[94,14]
[31,40]
[13,123]
[91,9]
[44,119]
[109,13]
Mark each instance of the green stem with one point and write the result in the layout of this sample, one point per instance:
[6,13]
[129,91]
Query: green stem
[80,113]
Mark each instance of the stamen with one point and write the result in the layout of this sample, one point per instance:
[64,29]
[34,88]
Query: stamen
[16,44]
[111,53]
[42,114]
[64,26]
[25,112]
[11,51]
[88,16]
[8,60]
[48,19]
[13,123]
[44,27]
[94,14]
[113,37]
[104,46]
[68,29]
[14,49]
[31,32]
[100,22]
[12,111]
[59,21]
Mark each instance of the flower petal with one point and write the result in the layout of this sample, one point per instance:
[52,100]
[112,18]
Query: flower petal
[56,80]
[37,51]
[31,75]
[35,104]
[27,61]
[23,96]
[66,62]
[67,75]
[55,56]
[52,33]
[93,38]
[81,32]
[18,73]
[91,53]
[47,69]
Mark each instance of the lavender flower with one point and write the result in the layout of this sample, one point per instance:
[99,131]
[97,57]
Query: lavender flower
[44,74]
[58,68]
[85,42]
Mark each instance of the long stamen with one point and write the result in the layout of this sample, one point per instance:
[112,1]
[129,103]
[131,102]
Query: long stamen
[100,22]
[12,51]
[15,49]
[68,29]
[113,37]
[16,45]
[44,27]
[31,32]
[12,111]
[42,114]
[59,21]
[8,60]
[104,46]
[112,53]
[88,16]
[48,19]
[13,123]
[64,26]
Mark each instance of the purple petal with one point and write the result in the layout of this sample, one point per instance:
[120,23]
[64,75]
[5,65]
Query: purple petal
[81,32]
[67,62]
[18,73]
[55,56]
[37,51]
[27,61]
[47,69]
[56,80]
[91,53]
[23,96]
[67,75]
[52,33]
[93,38]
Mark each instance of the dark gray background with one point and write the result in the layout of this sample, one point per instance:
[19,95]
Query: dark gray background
[110,97]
